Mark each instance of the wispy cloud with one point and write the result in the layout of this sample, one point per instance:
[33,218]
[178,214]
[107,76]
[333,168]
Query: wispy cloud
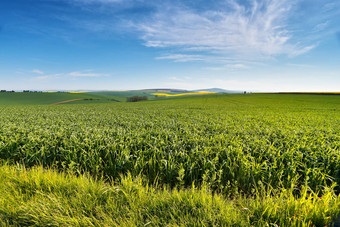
[83,74]
[175,78]
[41,78]
[37,71]
[259,30]
[73,75]
[182,57]
[255,30]
[47,77]
[232,67]
[242,31]
[321,26]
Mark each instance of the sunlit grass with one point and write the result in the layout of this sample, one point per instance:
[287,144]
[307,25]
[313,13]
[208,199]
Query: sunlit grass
[43,197]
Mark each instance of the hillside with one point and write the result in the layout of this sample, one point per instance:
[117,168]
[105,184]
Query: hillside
[43,98]
[219,90]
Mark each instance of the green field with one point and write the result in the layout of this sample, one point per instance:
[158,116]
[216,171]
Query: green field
[217,160]
[43,98]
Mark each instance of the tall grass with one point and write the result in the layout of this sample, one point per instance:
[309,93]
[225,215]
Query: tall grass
[43,197]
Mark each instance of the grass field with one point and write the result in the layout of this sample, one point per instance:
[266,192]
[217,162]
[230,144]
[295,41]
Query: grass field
[255,159]
[43,98]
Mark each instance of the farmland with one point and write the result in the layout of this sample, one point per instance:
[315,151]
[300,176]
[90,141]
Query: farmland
[182,94]
[42,98]
[255,159]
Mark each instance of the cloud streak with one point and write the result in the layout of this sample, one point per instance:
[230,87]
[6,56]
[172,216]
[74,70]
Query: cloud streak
[74,75]
[182,57]
[41,78]
[37,71]
[83,74]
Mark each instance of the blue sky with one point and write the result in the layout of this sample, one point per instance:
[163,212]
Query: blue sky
[253,45]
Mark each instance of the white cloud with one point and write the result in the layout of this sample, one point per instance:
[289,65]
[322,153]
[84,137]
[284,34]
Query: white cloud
[237,66]
[47,77]
[300,51]
[182,57]
[321,26]
[37,71]
[175,78]
[83,74]
[259,31]
[74,75]
[41,78]
[244,30]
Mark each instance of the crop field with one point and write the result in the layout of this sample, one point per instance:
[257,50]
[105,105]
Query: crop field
[213,160]
[182,94]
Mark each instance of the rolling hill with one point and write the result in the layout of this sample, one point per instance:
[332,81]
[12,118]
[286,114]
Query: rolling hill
[64,97]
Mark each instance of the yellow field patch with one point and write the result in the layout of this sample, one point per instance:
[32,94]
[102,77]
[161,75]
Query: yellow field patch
[181,94]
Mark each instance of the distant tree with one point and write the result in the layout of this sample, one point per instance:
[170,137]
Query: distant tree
[3,91]
[26,90]
[137,98]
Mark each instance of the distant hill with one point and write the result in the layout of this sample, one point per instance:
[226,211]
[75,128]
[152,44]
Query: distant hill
[73,97]
[162,90]
[166,90]
[219,90]
[149,92]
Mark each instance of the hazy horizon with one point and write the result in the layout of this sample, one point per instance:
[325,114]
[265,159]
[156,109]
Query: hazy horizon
[245,45]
